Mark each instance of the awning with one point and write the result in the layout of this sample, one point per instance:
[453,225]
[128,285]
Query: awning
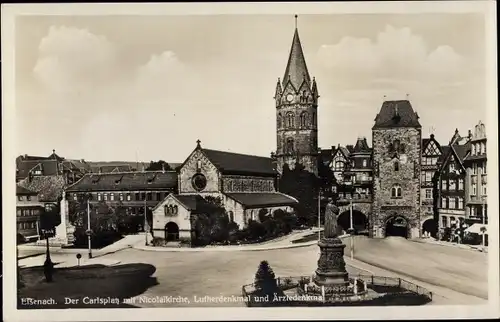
[476,229]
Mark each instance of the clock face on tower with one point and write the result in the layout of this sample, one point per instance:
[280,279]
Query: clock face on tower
[289,97]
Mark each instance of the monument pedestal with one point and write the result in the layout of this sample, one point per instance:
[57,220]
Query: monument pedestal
[331,271]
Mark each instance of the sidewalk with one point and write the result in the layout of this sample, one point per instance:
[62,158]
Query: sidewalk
[280,243]
[449,244]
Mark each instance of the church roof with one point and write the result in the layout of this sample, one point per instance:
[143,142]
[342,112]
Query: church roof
[20,190]
[194,203]
[395,114]
[262,199]
[235,163]
[296,69]
[48,188]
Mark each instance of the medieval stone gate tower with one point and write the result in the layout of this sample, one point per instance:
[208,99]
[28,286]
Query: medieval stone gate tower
[397,140]
[296,113]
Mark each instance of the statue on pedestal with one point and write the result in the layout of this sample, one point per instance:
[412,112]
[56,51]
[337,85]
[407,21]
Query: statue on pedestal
[331,271]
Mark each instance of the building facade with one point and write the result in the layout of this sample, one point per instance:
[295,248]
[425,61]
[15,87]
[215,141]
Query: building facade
[476,194]
[28,212]
[432,154]
[397,144]
[244,184]
[296,99]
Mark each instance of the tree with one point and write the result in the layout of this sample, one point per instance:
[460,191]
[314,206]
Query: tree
[158,165]
[304,186]
[265,280]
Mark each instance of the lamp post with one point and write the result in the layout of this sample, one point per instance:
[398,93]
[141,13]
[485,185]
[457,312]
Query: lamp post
[351,229]
[319,215]
[89,230]
[145,221]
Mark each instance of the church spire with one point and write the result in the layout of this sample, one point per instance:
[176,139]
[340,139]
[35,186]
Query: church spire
[296,70]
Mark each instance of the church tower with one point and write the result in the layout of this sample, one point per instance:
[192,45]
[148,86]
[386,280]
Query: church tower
[296,100]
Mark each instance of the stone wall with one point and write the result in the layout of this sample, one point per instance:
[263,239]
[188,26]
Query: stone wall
[207,168]
[247,184]
[182,218]
[407,177]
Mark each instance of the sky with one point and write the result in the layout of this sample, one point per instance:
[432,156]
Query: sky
[105,88]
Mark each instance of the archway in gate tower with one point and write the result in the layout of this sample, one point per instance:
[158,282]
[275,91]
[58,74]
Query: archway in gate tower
[429,227]
[397,226]
[359,221]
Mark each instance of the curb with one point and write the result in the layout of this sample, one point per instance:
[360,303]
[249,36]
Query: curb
[218,249]
[462,246]
[228,248]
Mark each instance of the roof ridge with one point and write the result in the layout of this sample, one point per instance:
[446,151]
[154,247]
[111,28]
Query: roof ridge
[236,153]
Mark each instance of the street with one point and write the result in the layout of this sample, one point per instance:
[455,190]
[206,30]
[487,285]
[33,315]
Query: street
[223,273]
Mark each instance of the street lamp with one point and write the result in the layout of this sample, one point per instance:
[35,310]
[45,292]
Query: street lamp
[319,215]
[89,229]
[351,228]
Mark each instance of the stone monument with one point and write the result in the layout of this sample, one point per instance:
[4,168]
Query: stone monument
[331,271]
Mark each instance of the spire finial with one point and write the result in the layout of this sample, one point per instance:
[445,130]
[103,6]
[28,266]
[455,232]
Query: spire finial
[198,142]
[296,21]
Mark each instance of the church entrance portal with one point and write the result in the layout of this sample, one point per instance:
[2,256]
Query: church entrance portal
[171,231]
[396,226]
[359,221]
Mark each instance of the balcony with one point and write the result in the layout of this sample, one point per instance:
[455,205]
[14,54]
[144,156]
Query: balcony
[356,197]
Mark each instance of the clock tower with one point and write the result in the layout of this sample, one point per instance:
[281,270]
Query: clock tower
[296,101]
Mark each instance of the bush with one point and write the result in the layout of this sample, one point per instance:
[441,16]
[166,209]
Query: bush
[158,241]
[256,230]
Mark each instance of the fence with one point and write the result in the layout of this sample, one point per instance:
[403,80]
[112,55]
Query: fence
[397,285]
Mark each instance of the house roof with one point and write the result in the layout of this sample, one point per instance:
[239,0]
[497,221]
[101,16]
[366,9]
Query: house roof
[49,188]
[395,114]
[235,163]
[445,150]
[262,199]
[20,190]
[461,151]
[48,167]
[326,155]
[361,146]
[194,203]
[296,69]
[349,149]
[125,181]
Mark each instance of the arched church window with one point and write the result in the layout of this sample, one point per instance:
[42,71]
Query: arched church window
[279,121]
[231,216]
[313,119]
[175,209]
[396,191]
[304,119]
[396,166]
[289,145]
[290,119]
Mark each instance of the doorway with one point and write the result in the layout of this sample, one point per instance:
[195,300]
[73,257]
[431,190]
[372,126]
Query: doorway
[171,231]
[397,226]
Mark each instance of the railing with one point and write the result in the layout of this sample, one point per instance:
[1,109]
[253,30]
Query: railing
[402,286]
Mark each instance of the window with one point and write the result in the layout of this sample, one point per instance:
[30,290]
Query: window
[313,120]
[474,168]
[428,176]
[365,163]
[175,209]
[75,196]
[289,145]
[460,203]
[461,184]
[428,193]
[422,177]
[443,202]
[396,192]
[129,197]
[20,198]
[158,196]
[231,216]
[28,198]
[453,185]
[137,196]
[105,196]
[289,119]
[396,166]
[443,185]
[278,121]
[121,196]
[150,196]
[19,213]
[99,197]
[484,189]
[444,221]
[452,203]
[433,161]
[474,189]
[304,119]
[452,167]
[112,196]
[198,165]
[479,149]
[339,165]
[484,168]
[484,147]
[473,149]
